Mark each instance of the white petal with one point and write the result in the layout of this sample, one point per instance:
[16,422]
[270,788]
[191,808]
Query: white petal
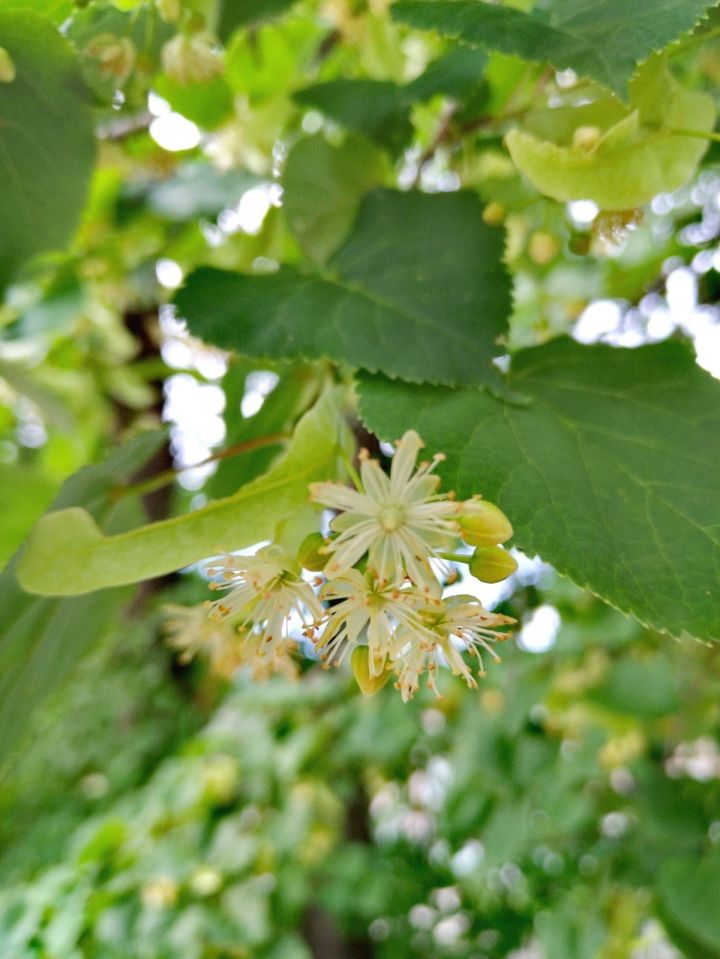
[403,462]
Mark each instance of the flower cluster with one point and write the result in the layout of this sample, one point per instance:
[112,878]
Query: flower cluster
[380,596]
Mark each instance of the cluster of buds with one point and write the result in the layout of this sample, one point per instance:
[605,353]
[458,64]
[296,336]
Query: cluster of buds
[381,573]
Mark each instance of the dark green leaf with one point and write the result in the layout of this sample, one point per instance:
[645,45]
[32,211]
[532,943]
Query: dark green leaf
[47,147]
[376,109]
[237,13]
[602,39]
[420,291]
[455,74]
[689,894]
[588,469]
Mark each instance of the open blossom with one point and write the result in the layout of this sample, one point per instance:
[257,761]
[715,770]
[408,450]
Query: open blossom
[190,631]
[262,592]
[460,618]
[398,520]
[361,602]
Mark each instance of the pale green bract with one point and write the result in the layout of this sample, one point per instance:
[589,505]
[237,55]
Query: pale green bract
[68,554]
[639,152]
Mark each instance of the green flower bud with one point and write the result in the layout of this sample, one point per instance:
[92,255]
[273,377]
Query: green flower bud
[360,662]
[492,564]
[483,524]
[7,67]
[311,554]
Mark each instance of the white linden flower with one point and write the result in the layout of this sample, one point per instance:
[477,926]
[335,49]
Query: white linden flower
[263,592]
[363,602]
[458,618]
[190,631]
[398,520]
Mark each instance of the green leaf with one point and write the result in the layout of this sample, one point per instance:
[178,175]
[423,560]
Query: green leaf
[645,688]
[42,640]
[631,161]
[418,291]
[47,145]
[602,39]
[380,110]
[207,104]
[689,893]
[238,13]
[376,109]
[68,554]
[323,186]
[455,74]
[24,493]
[609,470]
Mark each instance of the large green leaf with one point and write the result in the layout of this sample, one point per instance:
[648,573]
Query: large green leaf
[68,554]
[602,39]
[418,291]
[323,186]
[232,14]
[689,892]
[609,469]
[42,640]
[47,146]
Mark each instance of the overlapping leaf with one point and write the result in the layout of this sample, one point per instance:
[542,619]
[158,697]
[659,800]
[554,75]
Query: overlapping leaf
[46,141]
[609,469]
[418,291]
[601,39]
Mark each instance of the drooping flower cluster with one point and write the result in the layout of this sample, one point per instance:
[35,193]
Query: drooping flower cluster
[380,596]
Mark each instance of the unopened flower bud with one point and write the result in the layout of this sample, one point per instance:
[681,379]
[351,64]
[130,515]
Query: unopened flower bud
[169,10]
[492,564]
[311,554]
[191,59]
[542,247]
[586,138]
[484,524]
[494,213]
[7,67]
[115,56]
[360,663]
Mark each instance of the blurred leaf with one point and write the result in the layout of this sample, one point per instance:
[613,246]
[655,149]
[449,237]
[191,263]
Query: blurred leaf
[47,148]
[602,39]
[238,13]
[376,109]
[689,894]
[42,640]
[585,465]
[323,186]
[68,554]
[208,104]
[419,290]
[281,408]
[644,688]
[24,493]
[198,189]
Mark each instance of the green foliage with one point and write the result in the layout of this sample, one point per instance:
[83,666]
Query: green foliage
[46,141]
[368,230]
[600,39]
[417,291]
[323,186]
[583,462]
[637,156]
[35,632]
